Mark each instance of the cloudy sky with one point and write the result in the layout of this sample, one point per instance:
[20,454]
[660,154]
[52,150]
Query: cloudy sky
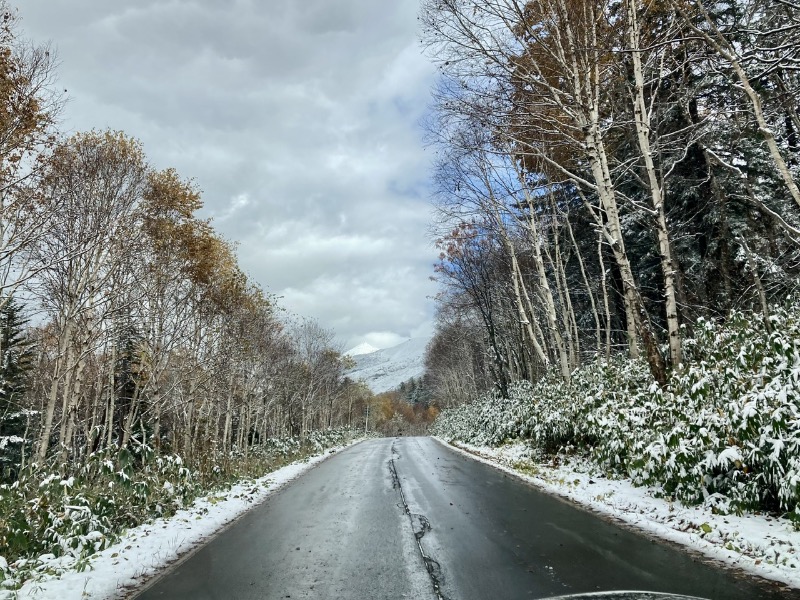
[299,120]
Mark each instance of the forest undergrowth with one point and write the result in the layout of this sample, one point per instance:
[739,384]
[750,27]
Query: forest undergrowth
[724,431]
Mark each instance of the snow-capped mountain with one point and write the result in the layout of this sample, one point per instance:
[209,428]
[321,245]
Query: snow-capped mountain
[384,370]
[364,348]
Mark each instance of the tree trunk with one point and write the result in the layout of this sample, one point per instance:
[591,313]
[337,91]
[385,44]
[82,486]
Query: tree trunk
[190,409]
[525,321]
[74,399]
[546,292]
[642,119]
[604,290]
[226,432]
[112,399]
[589,292]
[61,365]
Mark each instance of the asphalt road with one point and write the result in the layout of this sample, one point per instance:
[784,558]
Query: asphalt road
[409,518]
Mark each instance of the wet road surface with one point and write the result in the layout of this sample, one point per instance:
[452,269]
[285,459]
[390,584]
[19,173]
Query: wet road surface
[409,518]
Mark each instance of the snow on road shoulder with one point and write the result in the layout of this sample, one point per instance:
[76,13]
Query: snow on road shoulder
[759,544]
[148,549]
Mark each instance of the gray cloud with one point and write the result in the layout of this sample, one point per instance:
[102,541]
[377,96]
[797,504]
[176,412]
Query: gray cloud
[298,120]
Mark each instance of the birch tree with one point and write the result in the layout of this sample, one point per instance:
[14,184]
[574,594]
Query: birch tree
[643,116]
[547,62]
[98,178]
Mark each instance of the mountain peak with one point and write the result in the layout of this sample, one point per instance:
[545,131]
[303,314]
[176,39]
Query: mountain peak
[364,348]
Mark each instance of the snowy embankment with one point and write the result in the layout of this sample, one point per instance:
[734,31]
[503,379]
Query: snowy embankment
[759,544]
[144,551]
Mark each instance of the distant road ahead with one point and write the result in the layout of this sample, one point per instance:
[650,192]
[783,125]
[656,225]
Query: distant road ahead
[409,518]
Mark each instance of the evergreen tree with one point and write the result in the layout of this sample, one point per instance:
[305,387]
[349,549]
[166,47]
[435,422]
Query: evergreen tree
[15,363]
[130,376]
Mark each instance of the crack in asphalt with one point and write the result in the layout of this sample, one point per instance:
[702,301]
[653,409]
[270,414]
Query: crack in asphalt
[420,525]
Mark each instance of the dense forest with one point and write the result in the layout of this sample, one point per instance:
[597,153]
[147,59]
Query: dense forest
[608,173]
[619,226]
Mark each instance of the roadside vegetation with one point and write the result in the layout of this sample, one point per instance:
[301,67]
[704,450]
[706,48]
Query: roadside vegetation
[619,227]
[404,411]
[723,432]
[85,507]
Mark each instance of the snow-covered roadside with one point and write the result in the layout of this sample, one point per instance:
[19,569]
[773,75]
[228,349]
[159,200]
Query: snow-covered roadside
[148,549]
[758,544]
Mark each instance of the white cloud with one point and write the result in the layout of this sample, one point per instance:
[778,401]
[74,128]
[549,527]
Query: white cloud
[298,120]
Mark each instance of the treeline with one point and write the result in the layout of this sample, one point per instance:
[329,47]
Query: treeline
[406,410]
[610,171]
[126,321]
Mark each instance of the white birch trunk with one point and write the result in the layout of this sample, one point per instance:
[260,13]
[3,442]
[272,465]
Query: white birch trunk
[642,119]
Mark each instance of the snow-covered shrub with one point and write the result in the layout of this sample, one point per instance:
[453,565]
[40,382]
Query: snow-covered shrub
[491,419]
[460,422]
[551,422]
[603,407]
[554,413]
[725,430]
[735,416]
[81,512]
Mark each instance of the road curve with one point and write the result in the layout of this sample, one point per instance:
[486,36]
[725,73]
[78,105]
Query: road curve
[410,518]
